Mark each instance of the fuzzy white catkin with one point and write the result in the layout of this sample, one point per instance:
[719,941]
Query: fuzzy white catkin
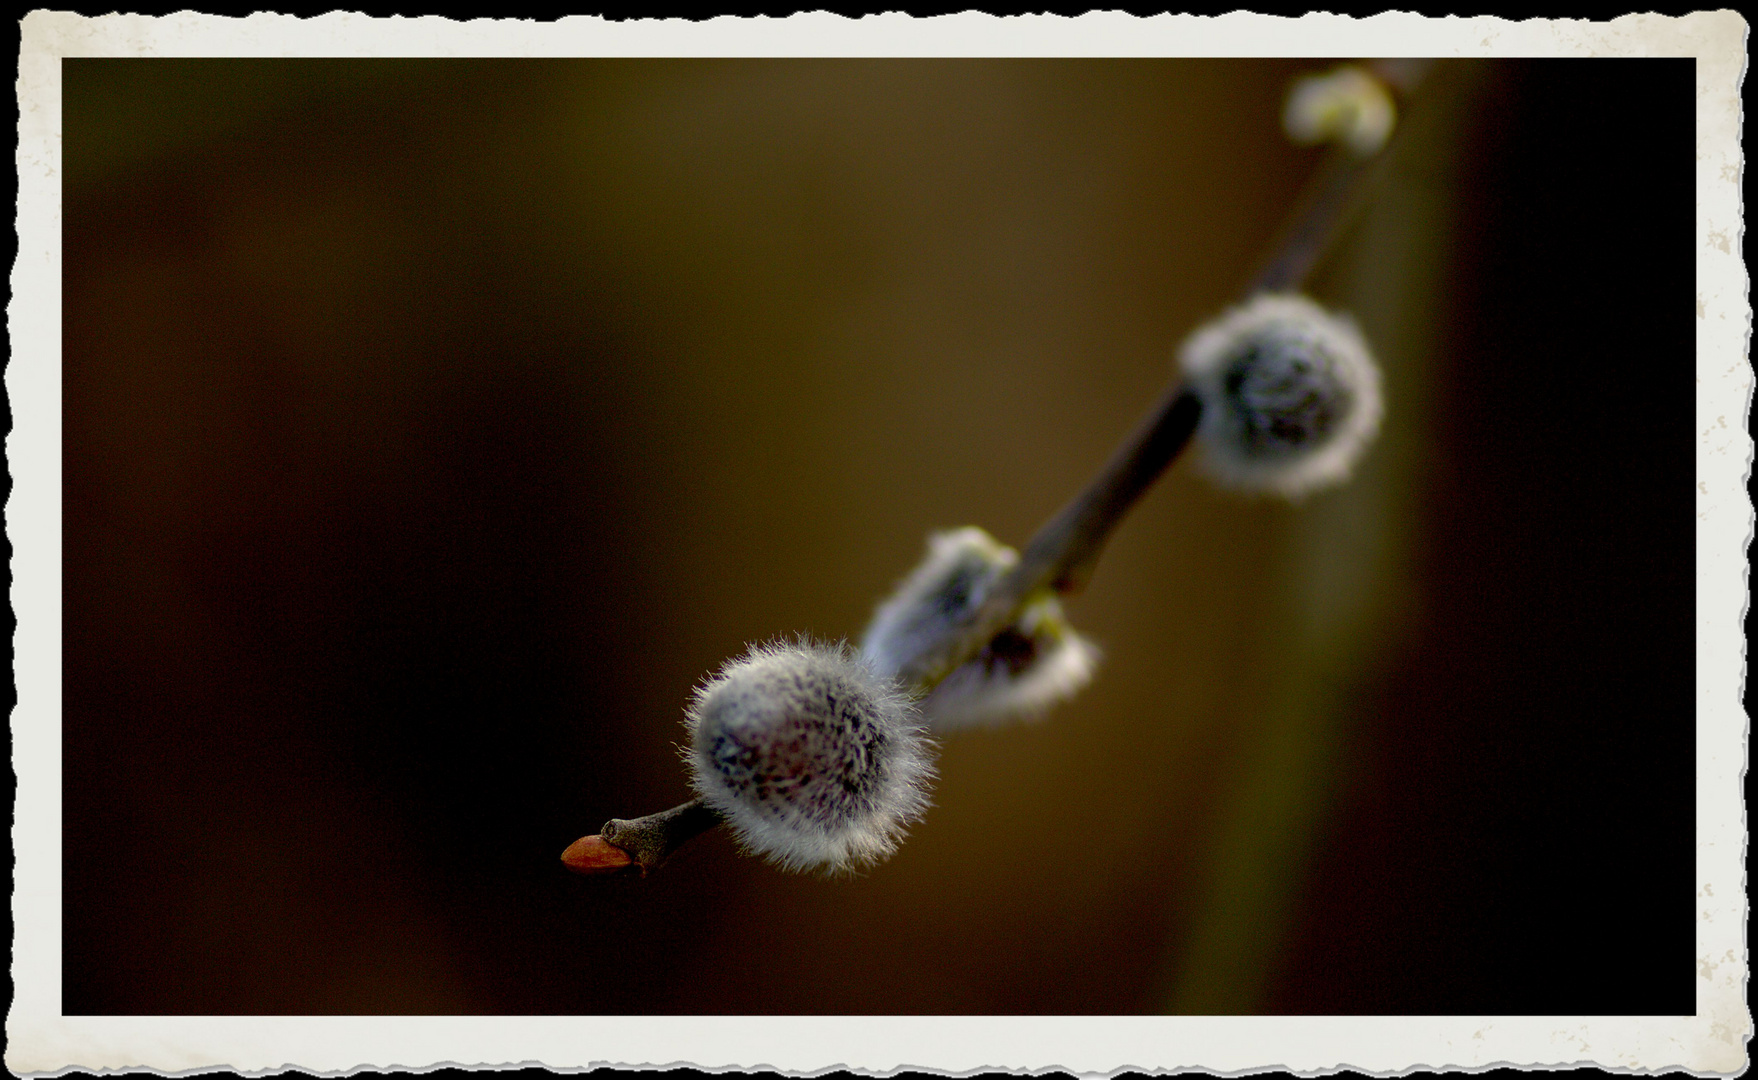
[1291,395]
[1035,663]
[812,759]
[1346,104]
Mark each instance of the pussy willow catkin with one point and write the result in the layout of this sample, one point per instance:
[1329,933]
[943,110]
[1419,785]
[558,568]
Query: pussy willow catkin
[1290,393]
[813,760]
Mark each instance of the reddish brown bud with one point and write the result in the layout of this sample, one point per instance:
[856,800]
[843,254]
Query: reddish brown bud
[593,855]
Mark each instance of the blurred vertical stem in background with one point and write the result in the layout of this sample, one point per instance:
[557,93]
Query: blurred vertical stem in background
[1343,581]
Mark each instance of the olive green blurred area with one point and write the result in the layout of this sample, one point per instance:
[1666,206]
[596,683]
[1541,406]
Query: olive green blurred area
[432,427]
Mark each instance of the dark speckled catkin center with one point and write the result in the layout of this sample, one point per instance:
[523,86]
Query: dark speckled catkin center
[1286,392]
[796,744]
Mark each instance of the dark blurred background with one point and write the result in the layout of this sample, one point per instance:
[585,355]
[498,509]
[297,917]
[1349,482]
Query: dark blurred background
[432,426]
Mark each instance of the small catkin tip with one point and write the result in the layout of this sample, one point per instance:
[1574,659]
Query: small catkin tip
[813,759]
[1029,667]
[1291,395]
[1347,104]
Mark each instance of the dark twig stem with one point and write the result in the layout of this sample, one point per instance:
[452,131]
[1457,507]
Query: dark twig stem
[1060,556]
[641,843]
[1324,206]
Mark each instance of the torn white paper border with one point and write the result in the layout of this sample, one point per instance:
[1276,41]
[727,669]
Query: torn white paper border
[40,1040]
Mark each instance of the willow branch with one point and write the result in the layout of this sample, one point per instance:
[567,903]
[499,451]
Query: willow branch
[1060,556]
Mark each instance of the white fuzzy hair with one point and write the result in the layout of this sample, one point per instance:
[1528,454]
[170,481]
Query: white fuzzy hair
[815,761]
[1036,663]
[1336,369]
